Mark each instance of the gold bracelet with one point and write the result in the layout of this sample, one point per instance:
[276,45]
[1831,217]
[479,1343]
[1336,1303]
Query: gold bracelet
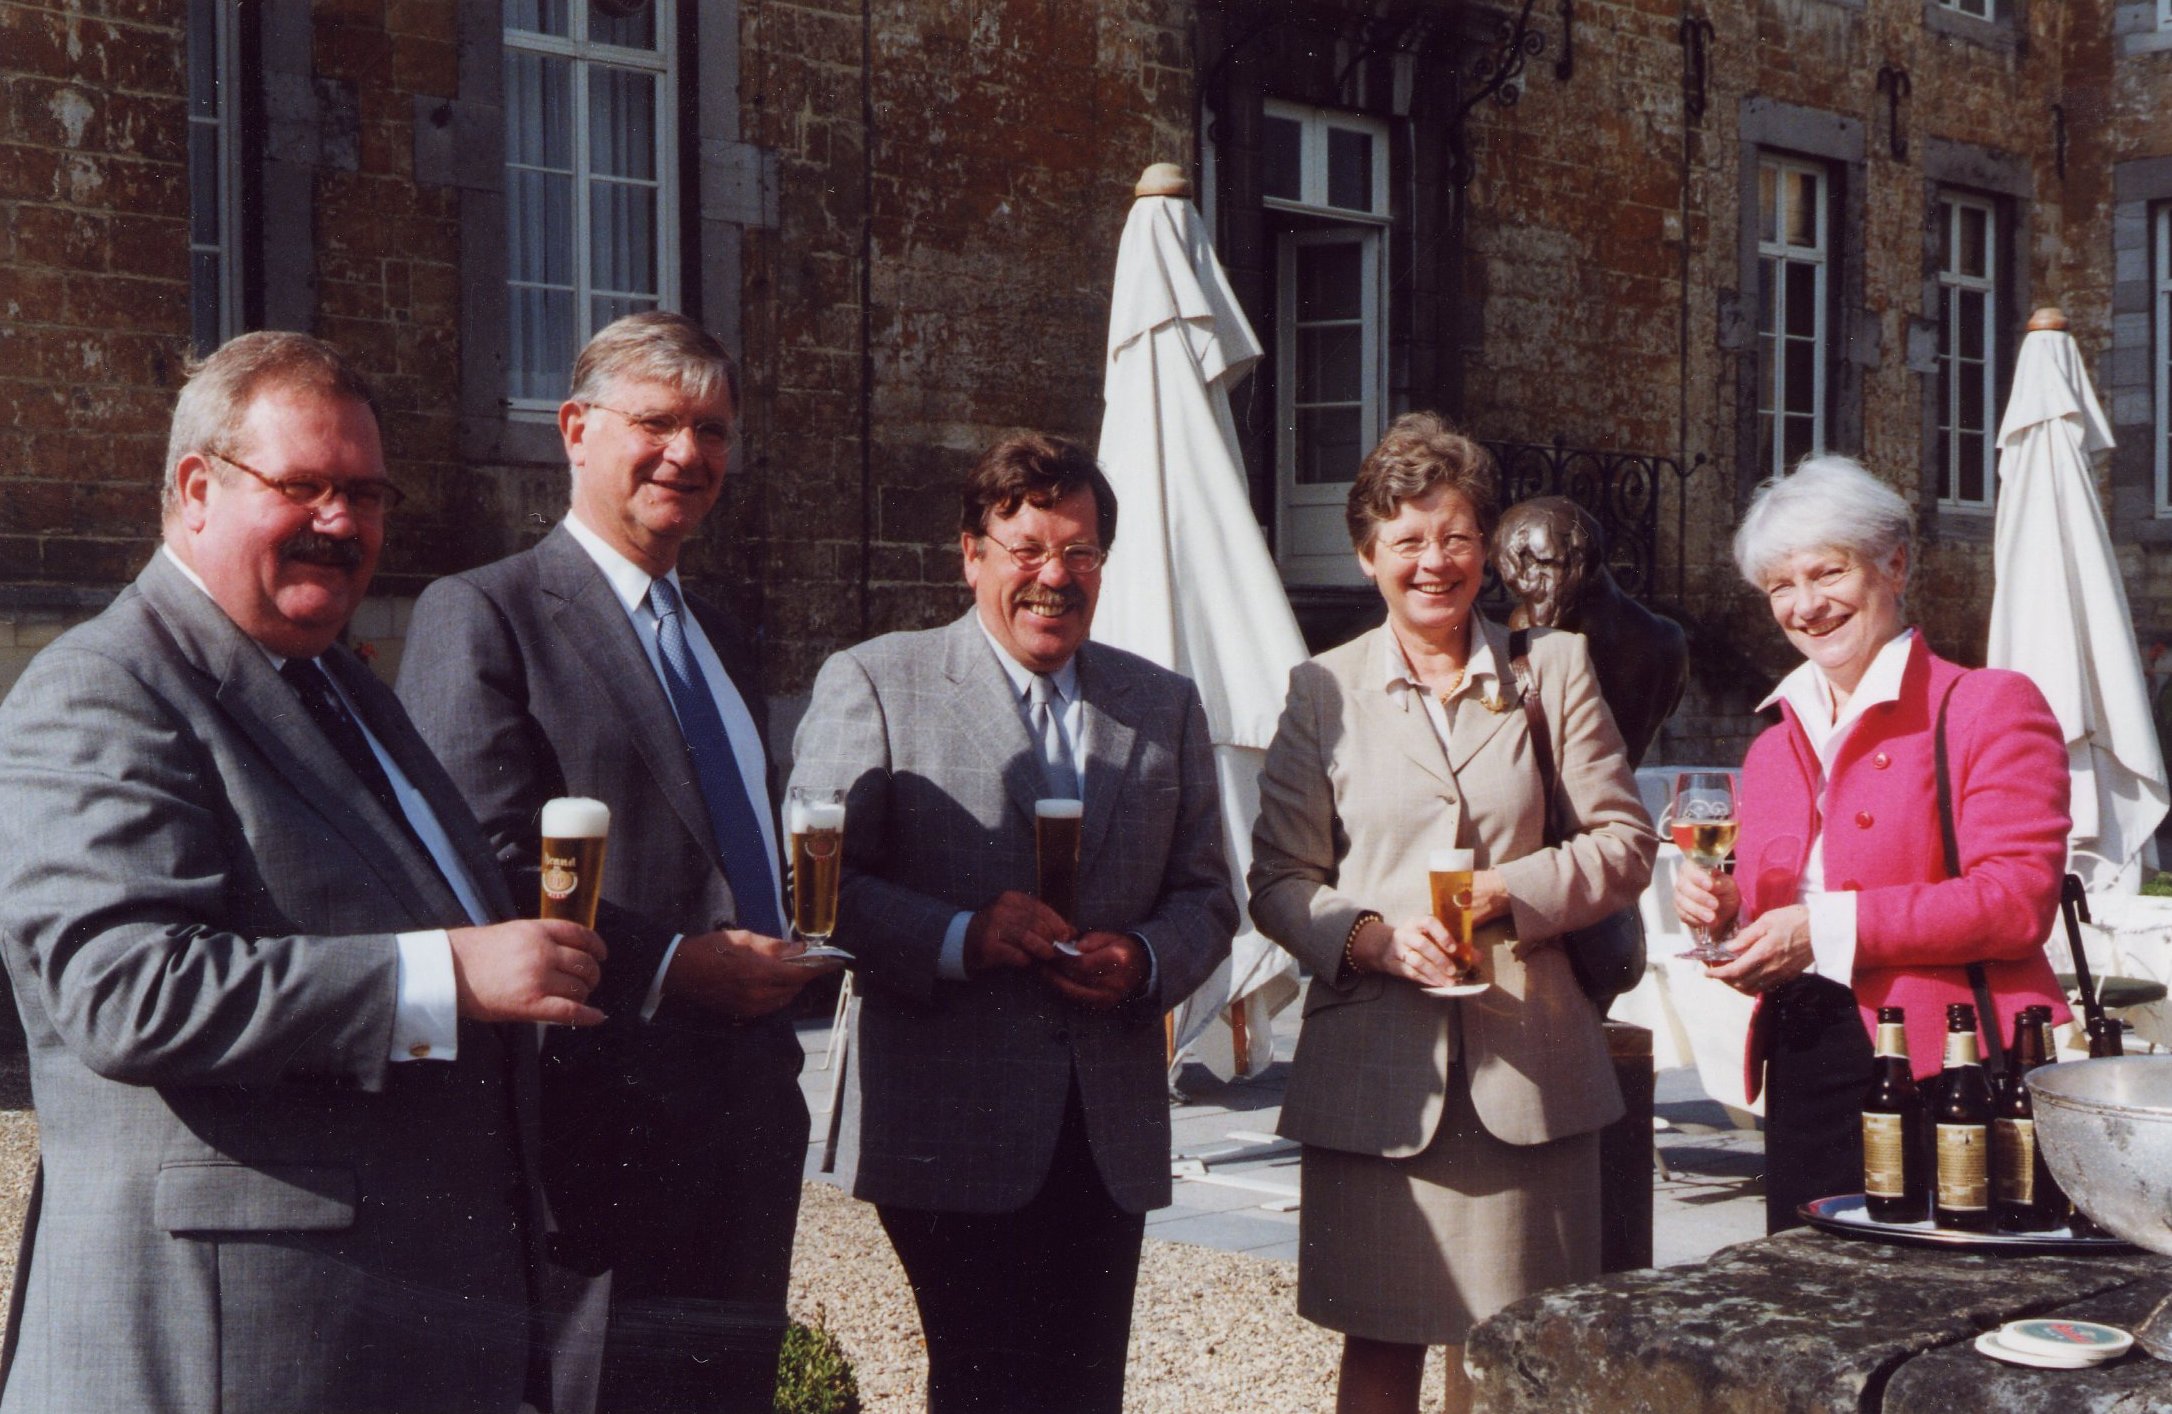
[1349,942]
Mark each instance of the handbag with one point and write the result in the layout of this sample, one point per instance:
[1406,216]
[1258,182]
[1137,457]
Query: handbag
[1607,956]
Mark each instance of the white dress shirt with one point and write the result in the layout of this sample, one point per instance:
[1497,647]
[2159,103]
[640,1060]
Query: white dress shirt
[631,584]
[425,1012]
[1481,683]
[1810,694]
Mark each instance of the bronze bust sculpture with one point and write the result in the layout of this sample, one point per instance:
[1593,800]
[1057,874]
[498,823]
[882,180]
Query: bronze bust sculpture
[1551,554]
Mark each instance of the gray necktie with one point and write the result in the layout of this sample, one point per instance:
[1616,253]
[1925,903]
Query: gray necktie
[1056,761]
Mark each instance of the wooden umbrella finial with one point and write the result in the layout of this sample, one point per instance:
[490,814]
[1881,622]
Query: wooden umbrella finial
[1163,179]
[2049,317]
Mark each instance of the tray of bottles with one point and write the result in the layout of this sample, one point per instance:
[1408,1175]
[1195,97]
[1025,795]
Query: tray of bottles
[1848,1215]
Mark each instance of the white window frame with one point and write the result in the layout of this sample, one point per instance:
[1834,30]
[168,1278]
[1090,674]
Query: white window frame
[1820,260]
[1312,540]
[1987,10]
[2161,220]
[1950,283]
[226,173]
[585,54]
[2164,14]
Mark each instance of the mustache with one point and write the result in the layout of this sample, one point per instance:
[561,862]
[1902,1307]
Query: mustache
[1070,596]
[309,547]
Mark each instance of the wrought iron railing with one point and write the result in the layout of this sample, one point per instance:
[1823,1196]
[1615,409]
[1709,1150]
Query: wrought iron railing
[1622,490]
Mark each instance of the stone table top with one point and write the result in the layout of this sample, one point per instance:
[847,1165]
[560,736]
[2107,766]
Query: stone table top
[1819,1324]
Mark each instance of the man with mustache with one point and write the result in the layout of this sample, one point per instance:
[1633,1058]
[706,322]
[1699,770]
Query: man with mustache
[285,1120]
[1014,1114]
[675,1134]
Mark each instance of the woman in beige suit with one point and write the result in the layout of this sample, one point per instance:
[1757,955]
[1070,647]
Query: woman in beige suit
[1450,1158]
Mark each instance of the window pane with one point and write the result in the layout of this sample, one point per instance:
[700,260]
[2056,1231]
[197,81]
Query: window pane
[622,238]
[1796,440]
[1330,280]
[1802,209]
[621,123]
[1969,416]
[1282,158]
[204,314]
[1975,241]
[1802,300]
[1768,275]
[1330,364]
[539,352]
[1327,445]
[204,183]
[203,42]
[539,221]
[1768,202]
[1349,169]
[1971,331]
[1802,376]
[1971,468]
[605,308]
[635,31]
[540,16]
[538,111]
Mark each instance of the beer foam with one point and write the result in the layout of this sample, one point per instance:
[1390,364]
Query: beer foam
[1444,861]
[1059,808]
[803,816]
[575,817]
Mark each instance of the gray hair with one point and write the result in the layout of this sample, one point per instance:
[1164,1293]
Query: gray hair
[219,389]
[655,346]
[1827,502]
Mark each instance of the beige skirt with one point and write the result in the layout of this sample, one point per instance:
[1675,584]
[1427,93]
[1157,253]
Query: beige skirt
[1419,1250]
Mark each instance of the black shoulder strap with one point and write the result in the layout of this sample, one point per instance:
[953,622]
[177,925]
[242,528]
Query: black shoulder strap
[1987,1017]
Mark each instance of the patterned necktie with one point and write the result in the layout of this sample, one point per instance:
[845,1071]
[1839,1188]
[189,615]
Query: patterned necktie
[321,700]
[1057,764]
[731,814]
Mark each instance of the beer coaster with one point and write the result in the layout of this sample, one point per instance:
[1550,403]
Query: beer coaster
[1068,949]
[2066,1340]
[816,956]
[1989,1344]
[1460,989]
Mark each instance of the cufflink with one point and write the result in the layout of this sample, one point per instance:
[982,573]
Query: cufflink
[419,1051]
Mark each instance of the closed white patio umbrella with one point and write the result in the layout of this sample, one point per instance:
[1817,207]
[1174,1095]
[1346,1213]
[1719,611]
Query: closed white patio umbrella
[1190,584]
[2059,610]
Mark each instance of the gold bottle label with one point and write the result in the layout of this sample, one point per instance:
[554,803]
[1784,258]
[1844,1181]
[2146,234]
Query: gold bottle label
[1885,1148]
[1961,1049]
[2016,1150]
[1964,1167]
[1893,1039]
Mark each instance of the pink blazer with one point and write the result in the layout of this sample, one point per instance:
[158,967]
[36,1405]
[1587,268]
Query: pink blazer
[1916,929]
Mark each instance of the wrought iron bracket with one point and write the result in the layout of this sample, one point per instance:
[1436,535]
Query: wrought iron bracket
[1565,66]
[1697,35]
[1495,75]
[1894,83]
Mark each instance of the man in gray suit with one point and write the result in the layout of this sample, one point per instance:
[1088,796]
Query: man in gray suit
[1014,1115]
[674,1135]
[250,927]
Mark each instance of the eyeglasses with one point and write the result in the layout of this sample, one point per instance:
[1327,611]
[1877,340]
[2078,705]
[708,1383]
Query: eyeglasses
[712,435]
[1078,559]
[1454,546]
[368,496]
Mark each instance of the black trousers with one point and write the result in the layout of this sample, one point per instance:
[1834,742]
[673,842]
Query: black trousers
[1031,1310]
[1818,1063]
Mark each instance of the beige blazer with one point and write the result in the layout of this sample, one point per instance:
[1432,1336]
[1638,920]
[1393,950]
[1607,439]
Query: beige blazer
[1355,793]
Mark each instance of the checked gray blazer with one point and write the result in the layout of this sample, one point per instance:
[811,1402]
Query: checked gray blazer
[962,1085]
[243,1206]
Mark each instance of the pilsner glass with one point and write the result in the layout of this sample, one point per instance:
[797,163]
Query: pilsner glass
[1449,872]
[1703,824]
[1057,824]
[574,828]
[815,821]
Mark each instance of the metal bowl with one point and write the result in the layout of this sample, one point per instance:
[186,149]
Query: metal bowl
[2106,1130]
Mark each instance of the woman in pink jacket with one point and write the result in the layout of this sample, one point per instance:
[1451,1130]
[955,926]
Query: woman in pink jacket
[1841,894]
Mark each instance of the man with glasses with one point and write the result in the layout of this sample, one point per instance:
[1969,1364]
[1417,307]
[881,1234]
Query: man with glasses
[254,937]
[1014,1115]
[675,1134]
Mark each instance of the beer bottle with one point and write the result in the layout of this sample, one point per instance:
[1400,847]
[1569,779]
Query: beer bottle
[2057,1206]
[1895,1187]
[1962,1116]
[2019,1183]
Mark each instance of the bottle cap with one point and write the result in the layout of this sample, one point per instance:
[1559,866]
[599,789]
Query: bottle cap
[2065,1340]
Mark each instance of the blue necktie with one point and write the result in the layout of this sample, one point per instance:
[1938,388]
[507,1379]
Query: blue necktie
[731,814]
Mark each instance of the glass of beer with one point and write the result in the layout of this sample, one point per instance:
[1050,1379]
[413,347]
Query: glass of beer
[1056,828]
[1702,823]
[815,820]
[574,828]
[1450,872]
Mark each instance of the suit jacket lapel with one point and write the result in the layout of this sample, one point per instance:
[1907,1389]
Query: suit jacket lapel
[1475,725]
[593,623]
[985,709]
[1110,740]
[1403,715]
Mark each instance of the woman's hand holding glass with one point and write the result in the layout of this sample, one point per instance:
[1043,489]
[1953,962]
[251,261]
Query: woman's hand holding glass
[1772,948]
[1705,899]
[1417,949]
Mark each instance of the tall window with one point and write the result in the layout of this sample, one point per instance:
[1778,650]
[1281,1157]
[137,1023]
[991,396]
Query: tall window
[1968,322]
[2161,269]
[1324,180]
[591,196]
[1980,9]
[214,128]
[1793,271]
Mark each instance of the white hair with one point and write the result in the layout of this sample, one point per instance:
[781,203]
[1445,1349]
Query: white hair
[1826,503]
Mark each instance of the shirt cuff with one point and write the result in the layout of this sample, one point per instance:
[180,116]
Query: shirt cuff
[1832,935]
[950,962]
[426,1002]
[1153,966]
[655,997]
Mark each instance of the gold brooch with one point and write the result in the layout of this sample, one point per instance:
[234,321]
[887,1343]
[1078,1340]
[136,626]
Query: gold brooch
[1495,705]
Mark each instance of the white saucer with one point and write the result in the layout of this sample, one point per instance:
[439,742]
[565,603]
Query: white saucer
[1989,1344]
[2055,1339]
[1459,989]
